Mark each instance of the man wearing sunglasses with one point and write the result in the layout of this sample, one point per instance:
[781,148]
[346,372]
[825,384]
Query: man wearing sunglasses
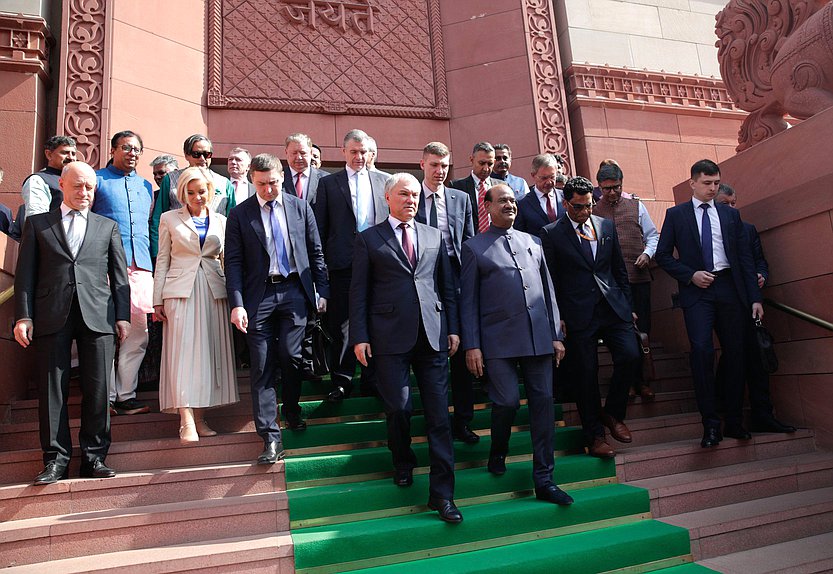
[591,282]
[198,152]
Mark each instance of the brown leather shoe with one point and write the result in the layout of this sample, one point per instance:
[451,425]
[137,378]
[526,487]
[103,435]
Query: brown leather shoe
[647,393]
[618,430]
[601,449]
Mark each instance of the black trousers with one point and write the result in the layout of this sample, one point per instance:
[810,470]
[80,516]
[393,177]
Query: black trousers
[95,361]
[338,323]
[582,348]
[431,370]
[757,379]
[641,293]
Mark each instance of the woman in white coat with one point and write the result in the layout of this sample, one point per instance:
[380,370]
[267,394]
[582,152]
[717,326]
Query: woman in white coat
[189,295]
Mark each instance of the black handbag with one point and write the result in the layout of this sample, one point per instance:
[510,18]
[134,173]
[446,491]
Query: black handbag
[766,348]
[648,371]
[321,343]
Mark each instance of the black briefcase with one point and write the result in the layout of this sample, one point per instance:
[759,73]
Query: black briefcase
[766,348]
[321,344]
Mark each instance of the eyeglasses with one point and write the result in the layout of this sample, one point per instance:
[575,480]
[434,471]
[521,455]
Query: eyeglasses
[127,148]
[199,154]
[582,206]
[612,188]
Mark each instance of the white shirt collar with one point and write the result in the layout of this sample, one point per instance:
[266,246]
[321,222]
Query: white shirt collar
[65,209]
[697,203]
[351,173]
[394,223]
[263,203]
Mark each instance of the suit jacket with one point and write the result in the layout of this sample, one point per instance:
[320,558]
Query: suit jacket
[247,255]
[580,283]
[531,218]
[679,231]
[761,265]
[47,277]
[336,219]
[507,303]
[315,176]
[458,211]
[389,300]
[180,255]
[467,184]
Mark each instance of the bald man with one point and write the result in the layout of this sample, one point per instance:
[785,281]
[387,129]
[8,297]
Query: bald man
[61,296]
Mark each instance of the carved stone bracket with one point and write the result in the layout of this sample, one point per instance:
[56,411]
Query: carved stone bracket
[261,59]
[25,42]
[605,86]
[545,66]
[81,98]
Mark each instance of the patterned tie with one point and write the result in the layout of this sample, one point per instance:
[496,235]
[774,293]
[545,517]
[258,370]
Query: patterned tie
[277,240]
[706,238]
[362,206]
[407,246]
[585,244]
[482,214]
[432,219]
[74,237]
[299,189]
[550,211]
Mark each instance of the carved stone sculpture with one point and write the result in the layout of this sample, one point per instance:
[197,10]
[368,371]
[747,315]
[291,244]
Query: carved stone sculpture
[776,58]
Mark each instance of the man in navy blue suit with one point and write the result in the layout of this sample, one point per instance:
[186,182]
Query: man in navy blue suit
[542,205]
[716,275]
[591,283]
[274,267]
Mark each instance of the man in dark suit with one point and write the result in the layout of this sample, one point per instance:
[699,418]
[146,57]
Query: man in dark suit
[239,160]
[403,312]
[475,184]
[61,296]
[347,203]
[449,210]
[274,271]
[543,205]
[591,282]
[299,177]
[716,275]
[510,317]
[762,418]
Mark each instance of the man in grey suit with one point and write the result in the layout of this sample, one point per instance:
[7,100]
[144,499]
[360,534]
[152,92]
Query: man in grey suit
[299,177]
[510,317]
[274,269]
[449,210]
[347,203]
[403,312]
[61,296]
[482,161]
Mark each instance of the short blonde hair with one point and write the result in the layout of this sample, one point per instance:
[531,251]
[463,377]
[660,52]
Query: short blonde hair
[191,174]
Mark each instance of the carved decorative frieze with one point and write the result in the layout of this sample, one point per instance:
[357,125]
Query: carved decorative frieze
[605,86]
[25,42]
[335,57]
[81,97]
[545,66]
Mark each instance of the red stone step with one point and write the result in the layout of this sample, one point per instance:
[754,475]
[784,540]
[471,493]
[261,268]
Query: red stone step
[757,523]
[808,555]
[711,487]
[672,403]
[638,462]
[38,540]
[130,489]
[260,554]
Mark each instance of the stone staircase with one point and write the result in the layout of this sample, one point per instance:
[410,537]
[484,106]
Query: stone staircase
[764,505]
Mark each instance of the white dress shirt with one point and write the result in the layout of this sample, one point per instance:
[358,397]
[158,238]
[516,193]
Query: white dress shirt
[721,261]
[265,217]
[556,195]
[241,190]
[394,223]
[442,213]
[304,180]
[588,231]
[364,182]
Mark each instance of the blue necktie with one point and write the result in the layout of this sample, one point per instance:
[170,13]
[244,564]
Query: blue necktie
[277,239]
[586,248]
[362,206]
[706,238]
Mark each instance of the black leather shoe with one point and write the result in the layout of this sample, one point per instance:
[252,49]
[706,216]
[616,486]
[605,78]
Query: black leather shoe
[466,435]
[552,493]
[272,453]
[770,424]
[403,477]
[96,469]
[447,510]
[337,395]
[295,422]
[53,472]
[497,465]
[711,437]
[737,432]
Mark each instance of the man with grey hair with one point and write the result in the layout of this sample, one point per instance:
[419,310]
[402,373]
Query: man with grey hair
[239,160]
[347,202]
[503,163]
[300,178]
[40,190]
[162,165]
[374,155]
[542,205]
[482,161]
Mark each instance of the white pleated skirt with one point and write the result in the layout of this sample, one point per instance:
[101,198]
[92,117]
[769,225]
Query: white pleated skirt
[197,368]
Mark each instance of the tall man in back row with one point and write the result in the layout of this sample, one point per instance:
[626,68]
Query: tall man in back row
[718,293]
[509,318]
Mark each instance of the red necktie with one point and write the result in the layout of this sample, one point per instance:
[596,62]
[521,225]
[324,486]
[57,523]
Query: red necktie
[299,189]
[550,211]
[482,214]
[407,246]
